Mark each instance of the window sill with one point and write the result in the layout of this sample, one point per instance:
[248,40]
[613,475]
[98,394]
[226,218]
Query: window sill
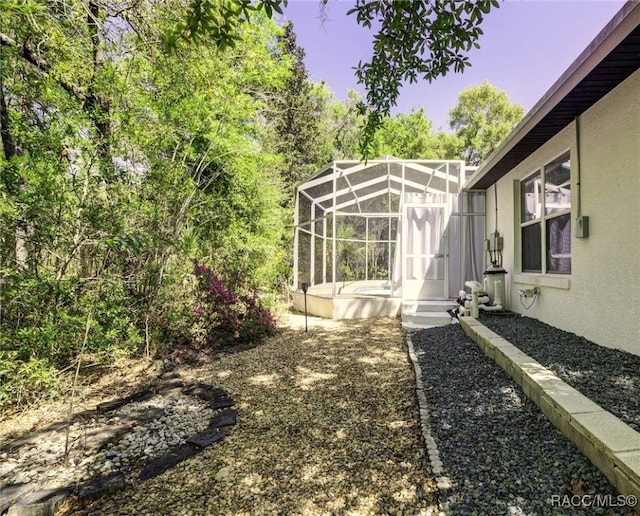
[542,280]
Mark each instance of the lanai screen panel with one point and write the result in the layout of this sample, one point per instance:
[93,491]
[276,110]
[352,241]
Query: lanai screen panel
[348,217]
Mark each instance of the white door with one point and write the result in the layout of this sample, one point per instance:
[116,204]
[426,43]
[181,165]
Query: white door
[425,251]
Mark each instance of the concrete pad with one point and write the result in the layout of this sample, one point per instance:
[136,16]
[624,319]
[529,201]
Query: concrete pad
[353,306]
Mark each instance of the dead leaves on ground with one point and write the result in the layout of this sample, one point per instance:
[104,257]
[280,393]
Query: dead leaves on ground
[327,424]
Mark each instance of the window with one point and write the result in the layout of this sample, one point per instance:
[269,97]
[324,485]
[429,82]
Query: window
[545,218]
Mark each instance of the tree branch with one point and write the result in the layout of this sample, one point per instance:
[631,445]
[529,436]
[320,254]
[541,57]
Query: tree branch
[29,55]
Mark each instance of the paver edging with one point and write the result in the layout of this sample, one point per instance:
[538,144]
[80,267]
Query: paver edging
[577,417]
[443,482]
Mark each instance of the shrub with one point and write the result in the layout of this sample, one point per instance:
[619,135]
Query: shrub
[23,381]
[227,315]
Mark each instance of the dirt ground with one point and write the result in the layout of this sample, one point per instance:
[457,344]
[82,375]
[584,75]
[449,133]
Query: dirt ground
[327,424]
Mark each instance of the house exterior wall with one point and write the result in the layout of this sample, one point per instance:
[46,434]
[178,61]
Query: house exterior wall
[600,299]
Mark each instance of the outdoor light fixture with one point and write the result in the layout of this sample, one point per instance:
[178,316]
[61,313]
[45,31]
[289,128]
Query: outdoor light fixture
[305,287]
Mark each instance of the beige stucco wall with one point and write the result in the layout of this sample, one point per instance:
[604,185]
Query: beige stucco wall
[600,300]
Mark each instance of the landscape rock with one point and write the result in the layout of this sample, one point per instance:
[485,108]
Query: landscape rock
[101,486]
[168,460]
[39,503]
[107,446]
[206,437]
[116,404]
[10,494]
[223,474]
[225,418]
[220,403]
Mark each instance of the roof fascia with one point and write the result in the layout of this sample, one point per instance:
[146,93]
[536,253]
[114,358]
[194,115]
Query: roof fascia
[620,26]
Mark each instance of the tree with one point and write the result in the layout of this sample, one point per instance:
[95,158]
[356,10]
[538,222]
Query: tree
[296,111]
[415,39]
[483,117]
[345,123]
[121,164]
[409,136]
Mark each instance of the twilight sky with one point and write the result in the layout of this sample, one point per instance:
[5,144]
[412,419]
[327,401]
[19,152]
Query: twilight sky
[526,46]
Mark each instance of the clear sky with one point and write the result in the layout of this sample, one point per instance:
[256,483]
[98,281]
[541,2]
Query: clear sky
[526,46]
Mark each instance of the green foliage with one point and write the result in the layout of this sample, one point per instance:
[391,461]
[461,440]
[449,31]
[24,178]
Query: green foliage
[414,39]
[295,112]
[23,381]
[345,123]
[409,136]
[44,319]
[483,117]
[128,164]
[218,22]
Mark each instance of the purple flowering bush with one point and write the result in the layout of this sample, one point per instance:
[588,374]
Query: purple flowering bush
[228,313]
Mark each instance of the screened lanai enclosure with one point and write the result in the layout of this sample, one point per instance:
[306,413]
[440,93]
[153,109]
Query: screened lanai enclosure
[369,236]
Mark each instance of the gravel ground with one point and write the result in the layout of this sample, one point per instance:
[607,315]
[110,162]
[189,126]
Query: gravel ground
[148,428]
[327,424]
[609,377]
[499,451]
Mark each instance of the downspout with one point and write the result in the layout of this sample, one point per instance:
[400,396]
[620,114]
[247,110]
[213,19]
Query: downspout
[582,222]
[577,168]
[495,197]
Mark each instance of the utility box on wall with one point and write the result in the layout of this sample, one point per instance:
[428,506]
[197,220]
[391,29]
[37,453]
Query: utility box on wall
[582,227]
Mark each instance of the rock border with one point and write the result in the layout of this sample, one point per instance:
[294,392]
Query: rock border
[442,480]
[28,500]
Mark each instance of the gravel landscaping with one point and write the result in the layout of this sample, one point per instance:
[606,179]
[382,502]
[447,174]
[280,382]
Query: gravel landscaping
[327,424]
[609,377]
[500,453]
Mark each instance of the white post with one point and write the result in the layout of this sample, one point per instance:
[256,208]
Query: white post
[333,236]
[312,257]
[295,241]
[475,311]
